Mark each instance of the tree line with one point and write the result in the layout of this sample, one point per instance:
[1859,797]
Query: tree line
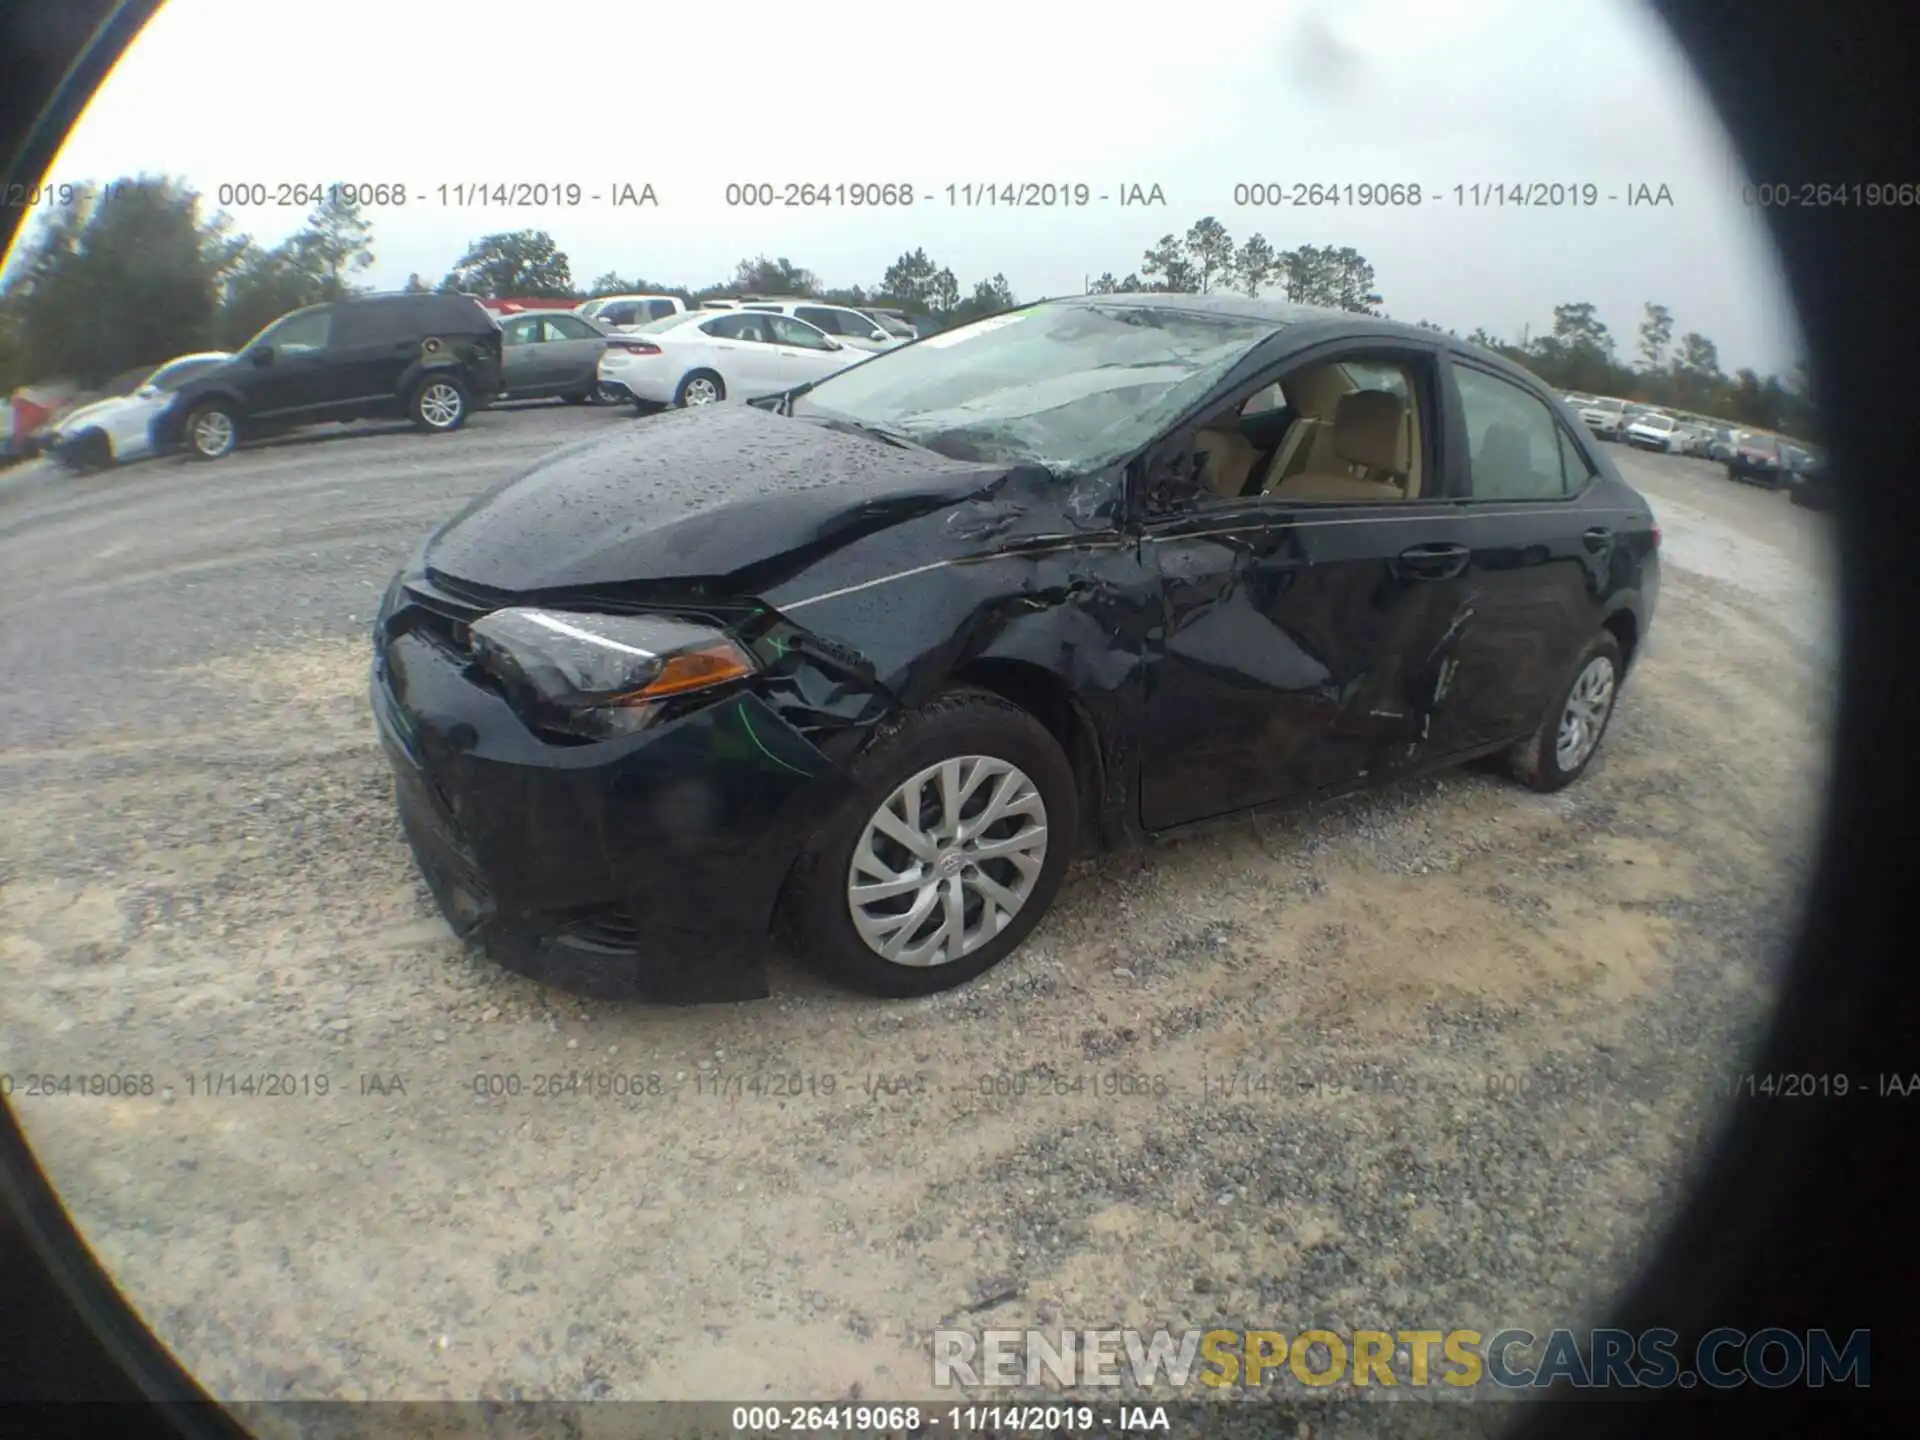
[134,273]
[1579,352]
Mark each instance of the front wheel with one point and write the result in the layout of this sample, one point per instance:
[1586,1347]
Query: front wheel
[212,432]
[439,404]
[951,848]
[92,454]
[1558,753]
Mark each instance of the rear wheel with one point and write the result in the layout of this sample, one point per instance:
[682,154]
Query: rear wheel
[951,848]
[1559,752]
[702,387]
[212,431]
[439,404]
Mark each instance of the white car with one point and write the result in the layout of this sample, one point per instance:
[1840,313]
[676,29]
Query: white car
[624,312]
[853,328]
[1604,416]
[1653,431]
[113,431]
[706,356]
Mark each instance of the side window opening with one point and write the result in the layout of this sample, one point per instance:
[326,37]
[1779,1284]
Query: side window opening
[1326,432]
[1515,449]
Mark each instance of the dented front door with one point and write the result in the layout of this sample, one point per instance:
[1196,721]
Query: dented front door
[1305,647]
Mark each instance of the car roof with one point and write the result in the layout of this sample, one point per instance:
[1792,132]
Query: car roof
[1312,322]
[611,299]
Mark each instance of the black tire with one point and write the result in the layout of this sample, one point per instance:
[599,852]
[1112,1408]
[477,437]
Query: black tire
[719,388]
[429,393]
[577,397]
[202,424]
[1535,761]
[605,394]
[815,906]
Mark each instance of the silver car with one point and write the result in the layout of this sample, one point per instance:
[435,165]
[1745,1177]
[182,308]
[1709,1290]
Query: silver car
[548,353]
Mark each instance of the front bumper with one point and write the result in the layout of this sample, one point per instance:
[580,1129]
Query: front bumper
[645,868]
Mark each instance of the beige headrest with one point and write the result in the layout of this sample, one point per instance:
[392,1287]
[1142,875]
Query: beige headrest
[1368,430]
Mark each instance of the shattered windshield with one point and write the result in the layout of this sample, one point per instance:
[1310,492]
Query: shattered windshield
[1069,387]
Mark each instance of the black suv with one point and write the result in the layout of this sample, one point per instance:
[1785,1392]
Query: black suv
[430,358]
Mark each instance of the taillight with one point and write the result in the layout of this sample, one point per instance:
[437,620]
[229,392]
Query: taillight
[636,347]
[1656,537]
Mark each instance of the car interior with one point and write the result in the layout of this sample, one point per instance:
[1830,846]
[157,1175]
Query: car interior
[1330,431]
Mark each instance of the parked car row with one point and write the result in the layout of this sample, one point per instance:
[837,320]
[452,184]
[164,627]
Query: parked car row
[433,358]
[1753,457]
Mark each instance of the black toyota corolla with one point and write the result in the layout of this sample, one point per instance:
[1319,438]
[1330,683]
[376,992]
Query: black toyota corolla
[867,663]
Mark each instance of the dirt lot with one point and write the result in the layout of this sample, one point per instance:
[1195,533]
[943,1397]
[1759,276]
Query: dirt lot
[1442,1055]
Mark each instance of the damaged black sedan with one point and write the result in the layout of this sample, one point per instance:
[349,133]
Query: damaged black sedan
[869,662]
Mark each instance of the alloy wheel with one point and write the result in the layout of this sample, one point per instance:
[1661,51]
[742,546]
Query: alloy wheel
[439,404]
[213,434]
[700,391]
[1586,714]
[947,861]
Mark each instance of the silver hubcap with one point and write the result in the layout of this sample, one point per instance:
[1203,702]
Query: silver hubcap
[213,434]
[701,392]
[947,861]
[439,405]
[1586,713]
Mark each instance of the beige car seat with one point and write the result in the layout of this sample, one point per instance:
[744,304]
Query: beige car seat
[1363,455]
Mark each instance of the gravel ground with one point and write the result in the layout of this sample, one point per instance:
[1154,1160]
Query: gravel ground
[1442,1055]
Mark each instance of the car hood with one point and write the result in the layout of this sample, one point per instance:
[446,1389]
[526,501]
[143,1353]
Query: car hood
[741,498]
[99,410]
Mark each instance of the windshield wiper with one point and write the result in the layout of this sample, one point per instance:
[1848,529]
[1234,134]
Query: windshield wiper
[862,427]
[787,397]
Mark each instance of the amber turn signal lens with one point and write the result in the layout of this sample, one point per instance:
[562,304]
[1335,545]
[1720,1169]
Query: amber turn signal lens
[692,670]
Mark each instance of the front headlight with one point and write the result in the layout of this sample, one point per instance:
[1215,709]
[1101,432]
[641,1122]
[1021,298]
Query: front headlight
[601,676]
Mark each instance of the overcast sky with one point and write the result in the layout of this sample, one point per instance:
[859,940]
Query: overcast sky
[1462,92]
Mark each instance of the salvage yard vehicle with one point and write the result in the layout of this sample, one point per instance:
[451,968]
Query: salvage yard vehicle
[117,430]
[551,354]
[705,357]
[1758,459]
[1605,417]
[623,312]
[853,328]
[870,661]
[1653,431]
[1810,481]
[427,357]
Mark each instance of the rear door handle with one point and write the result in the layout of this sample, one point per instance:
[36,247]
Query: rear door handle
[1599,538]
[1432,562]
